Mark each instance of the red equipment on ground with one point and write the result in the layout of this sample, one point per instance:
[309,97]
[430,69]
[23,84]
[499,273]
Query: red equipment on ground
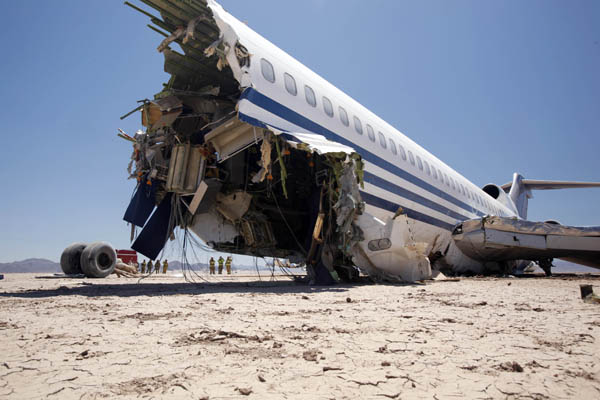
[128,256]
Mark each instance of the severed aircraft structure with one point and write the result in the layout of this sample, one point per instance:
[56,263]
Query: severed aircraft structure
[256,154]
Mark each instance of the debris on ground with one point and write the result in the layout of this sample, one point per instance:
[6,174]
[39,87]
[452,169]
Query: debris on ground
[587,294]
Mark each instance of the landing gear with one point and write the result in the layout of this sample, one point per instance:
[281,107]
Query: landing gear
[346,273]
[546,265]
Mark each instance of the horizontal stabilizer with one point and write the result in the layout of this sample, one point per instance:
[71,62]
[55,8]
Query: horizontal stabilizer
[519,190]
[547,185]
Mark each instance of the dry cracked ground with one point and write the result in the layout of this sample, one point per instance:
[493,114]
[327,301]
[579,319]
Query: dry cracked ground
[165,338]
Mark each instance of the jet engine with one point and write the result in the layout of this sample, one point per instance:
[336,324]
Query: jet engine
[497,193]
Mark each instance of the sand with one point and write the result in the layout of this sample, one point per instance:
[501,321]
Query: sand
[164,338]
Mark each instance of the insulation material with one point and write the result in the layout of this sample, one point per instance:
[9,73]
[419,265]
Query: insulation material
[233,206]
[178,34]
[191,28]
[153,237]
[316,143]
[234,54]
[212,227]
[348,207]
[265,159]
[220,48]
[161,113]
[141,204]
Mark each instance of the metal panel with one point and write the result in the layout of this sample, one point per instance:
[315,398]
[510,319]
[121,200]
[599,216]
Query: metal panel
[233,136]
[573,243]
[178,168]
[501,238]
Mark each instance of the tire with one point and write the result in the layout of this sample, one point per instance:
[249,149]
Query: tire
[70,260]
[98,260]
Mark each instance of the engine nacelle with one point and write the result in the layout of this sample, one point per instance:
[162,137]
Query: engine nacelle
[497,193]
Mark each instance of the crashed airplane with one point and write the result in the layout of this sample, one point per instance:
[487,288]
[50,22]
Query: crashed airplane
[256,154]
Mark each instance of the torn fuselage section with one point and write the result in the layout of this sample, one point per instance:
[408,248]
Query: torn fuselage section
[239,184]
[274,190]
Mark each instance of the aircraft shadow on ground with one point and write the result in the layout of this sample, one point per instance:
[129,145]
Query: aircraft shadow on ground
[166,289]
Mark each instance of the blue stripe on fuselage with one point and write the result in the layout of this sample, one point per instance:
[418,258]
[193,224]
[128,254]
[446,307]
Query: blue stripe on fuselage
[393,207]
[295,118]
[400,191]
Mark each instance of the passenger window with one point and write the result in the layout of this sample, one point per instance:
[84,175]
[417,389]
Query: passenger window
[393,147]
[427,170]
[433,172]
[402,152]
[327,107]
[290,84]
[310,96]
[371,133]
[267,70]
[382,141]
[358,126]
[411,157]
[447,180]
[420,163]
[344,116]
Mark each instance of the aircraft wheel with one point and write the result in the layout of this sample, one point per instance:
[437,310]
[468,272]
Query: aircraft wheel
[347,274]
[546,265]
[70,259]
[98,260]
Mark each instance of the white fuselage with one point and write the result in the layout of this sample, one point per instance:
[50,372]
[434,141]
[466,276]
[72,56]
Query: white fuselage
[398,172]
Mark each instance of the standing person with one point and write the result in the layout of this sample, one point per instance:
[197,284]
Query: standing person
[144,267]
[221,265]
[212,266]
[228,265]
[157,267]
[165,266]
[149,270]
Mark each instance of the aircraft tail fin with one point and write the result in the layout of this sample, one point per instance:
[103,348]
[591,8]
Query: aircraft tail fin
[519,190]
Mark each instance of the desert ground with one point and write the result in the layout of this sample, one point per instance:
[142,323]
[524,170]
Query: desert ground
[240,337]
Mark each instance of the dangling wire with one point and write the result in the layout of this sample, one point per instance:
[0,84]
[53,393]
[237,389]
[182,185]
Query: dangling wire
[288,225]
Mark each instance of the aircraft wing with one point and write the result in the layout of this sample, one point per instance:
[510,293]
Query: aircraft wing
[506,239]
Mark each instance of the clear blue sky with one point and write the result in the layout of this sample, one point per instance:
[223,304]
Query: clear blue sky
[490,87]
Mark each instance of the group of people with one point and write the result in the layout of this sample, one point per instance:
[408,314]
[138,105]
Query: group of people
[221,261]
[154,267]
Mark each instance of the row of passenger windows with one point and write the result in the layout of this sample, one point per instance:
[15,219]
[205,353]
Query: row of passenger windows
[290,85]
